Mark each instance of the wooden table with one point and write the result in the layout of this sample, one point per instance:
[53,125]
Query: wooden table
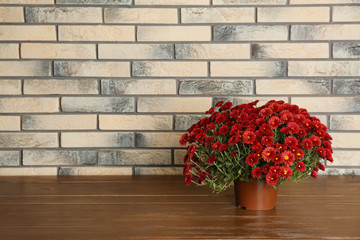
[162,207]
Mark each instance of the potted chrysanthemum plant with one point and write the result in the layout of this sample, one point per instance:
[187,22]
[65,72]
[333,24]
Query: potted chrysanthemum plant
[257,148]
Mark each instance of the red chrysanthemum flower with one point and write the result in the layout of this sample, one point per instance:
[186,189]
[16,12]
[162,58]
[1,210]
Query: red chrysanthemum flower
[211,159]
[299,154]
[223,147]
[327,144]
[286,117]
[220,118]
[321,152]
[321,166]
[218,104]
[301,133]
[307,144]
[286,172]
[188,179]
[260,121]
[204,121]
[267,141]
[288,157]
[329,155]
[252,159]
[224,130]
[265,112]
[187,158]
[274,107]
[313,173]
[256,172]
[274,170]
[299,118]
[291,141]
[300,166]
[210,126]
[293,127]
[284,130]
[187,168]
[316,169]
[233,153]
[280,147]
[257,147]
[191,149]
[211,110]
[216,146]
[184,139]
[227,106]
[278,159]
[266,169]
[209,141]
[272,179]
[274,122]
[268,154]
[316,140]
[265,128]
[307,123]
[234,114]
[249,137]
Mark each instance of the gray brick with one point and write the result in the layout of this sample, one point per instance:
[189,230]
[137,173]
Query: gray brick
[29,140]
[98,104]
[134,157]
[326,32]
[97,139]
[63,15]
[158,139]
[346,50]
[346,86]
[183,122]
[345,122]
[158,171]
[95,2]
[95,171]
[216,87]
[59,157]
[179,155]
[9,158]
[339,171]
[250,33]
[136,51]
[60,86]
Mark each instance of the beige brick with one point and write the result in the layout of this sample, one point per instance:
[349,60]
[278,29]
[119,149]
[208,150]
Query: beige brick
[28,171]
[95,2]
[173,104]
[241,100]
[293,14]
[59,157]
[9,158]
[25,68]
[292,86]
[299,2]
[135,51]
[96,33]
[250,32]
[346,158]
[28,2]
[345,122]
[29,140]
[63,15]
[173,33]
[92,69]
[249,2]
[212,51]
[134,157]
[27,33]
[346,14]
[10,87]
[217,15]
[247,69]
[9,51]
[60,86]
[325,32]
[172,2]
[95,171]
[345,140]
[324,68]
[158,171]
[322,118]
[138,87]
[290,50]
[11,14]
[328,104]
[170,69]
[98,104]
[58,51]
[179,155]
[28,105]
[158,139]
[135,122]
[96,139]
[59,122]
[141,15]
[9,123]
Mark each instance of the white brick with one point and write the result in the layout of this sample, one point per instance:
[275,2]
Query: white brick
[345,140]
[173,104]
[141,15]
[292,86]
[328,104]
[172,2]
[10,87]
[346,158]
[27,33]
[324,68]
[173,33]
[96,33]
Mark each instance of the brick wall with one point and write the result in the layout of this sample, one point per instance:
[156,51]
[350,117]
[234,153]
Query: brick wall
[108,86]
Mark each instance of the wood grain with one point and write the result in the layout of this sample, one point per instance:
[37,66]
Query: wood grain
[162,207]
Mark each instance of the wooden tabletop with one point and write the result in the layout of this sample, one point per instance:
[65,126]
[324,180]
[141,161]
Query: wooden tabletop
[162,207]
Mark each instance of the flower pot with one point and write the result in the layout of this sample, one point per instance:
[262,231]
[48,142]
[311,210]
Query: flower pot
[254,195]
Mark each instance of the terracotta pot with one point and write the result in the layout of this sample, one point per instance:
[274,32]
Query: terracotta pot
[254,195]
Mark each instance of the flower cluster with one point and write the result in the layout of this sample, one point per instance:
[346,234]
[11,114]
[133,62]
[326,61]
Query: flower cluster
[272,143]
